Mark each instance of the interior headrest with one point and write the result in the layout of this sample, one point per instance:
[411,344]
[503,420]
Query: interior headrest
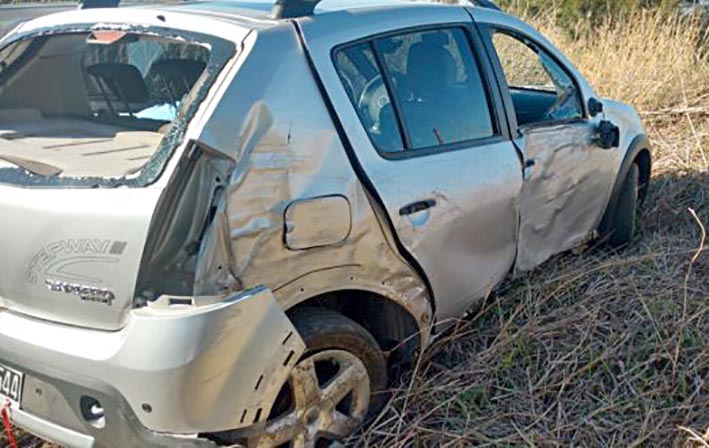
[430,68]
[182,73]
[124,80]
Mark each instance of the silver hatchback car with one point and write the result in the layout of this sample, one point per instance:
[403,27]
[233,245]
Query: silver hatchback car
[230,223]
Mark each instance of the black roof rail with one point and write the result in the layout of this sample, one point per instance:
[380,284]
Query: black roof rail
[90,4]
[486,4]
[288,9]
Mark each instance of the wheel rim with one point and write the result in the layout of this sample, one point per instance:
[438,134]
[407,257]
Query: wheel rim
[325,399]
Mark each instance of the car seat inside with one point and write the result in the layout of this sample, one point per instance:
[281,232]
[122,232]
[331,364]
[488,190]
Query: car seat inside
[104,106]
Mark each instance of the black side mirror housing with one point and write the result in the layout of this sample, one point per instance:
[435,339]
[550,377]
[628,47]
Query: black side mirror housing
[608,136]
[595,107]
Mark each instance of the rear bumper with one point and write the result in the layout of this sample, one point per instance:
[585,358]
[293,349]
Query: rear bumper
[52,431]
[139,437]
[173,372]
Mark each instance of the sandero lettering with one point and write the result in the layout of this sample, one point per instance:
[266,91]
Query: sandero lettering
[85,293]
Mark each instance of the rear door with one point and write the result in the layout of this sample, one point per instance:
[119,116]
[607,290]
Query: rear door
[420,113]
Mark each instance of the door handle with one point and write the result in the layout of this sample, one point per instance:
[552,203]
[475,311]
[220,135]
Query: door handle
[417,207]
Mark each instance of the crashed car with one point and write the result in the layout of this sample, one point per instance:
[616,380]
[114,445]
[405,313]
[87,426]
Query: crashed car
[233,223]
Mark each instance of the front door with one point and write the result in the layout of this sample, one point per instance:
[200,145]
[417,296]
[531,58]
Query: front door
[419,113]
[567,176]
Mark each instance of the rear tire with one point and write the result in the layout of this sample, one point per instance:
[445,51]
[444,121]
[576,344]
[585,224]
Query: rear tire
[324,329]
[624,222]
[337,386]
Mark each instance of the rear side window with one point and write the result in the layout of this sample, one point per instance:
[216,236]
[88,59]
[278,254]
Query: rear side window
[419,90]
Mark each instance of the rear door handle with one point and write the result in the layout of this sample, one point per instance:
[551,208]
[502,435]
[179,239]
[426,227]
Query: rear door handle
[529,165]
[417,207]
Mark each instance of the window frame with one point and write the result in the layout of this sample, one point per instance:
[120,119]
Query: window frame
[486,72]
[488,30]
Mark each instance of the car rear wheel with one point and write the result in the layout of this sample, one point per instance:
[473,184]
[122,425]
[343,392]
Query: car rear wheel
[623,225]
[335,387]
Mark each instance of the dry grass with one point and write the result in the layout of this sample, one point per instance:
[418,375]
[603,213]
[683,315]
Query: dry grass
[651,60]
[602,348]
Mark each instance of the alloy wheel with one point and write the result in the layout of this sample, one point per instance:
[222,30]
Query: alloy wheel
[325,399]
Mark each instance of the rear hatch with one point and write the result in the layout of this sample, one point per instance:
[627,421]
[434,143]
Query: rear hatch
[72,255]
[83,159]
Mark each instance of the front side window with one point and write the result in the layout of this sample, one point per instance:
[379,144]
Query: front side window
[418,90]
[95,104]
[541,90]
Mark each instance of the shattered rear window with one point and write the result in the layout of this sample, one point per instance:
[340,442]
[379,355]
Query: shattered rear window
[94,106]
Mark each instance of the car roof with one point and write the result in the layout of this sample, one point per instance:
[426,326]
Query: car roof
[259,10]
[255,14]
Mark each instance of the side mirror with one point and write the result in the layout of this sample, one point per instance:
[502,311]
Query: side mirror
[608,135]
[595,107]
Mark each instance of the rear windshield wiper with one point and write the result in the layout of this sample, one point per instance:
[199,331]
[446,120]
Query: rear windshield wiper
[34,167]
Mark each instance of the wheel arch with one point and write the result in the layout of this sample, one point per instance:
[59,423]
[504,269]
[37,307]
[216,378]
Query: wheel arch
[395,328]
[644,161]
[638,152]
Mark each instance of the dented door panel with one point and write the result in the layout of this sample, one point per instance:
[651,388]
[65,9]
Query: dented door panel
[465,243]
[566,188]
[567,176]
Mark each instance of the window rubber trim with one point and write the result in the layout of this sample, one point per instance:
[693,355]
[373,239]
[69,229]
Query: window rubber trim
[393,97]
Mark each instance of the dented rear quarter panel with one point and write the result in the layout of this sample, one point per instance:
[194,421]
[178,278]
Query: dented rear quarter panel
[284,156]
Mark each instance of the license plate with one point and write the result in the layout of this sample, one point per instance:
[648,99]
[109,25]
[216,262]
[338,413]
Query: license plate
[10,386]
